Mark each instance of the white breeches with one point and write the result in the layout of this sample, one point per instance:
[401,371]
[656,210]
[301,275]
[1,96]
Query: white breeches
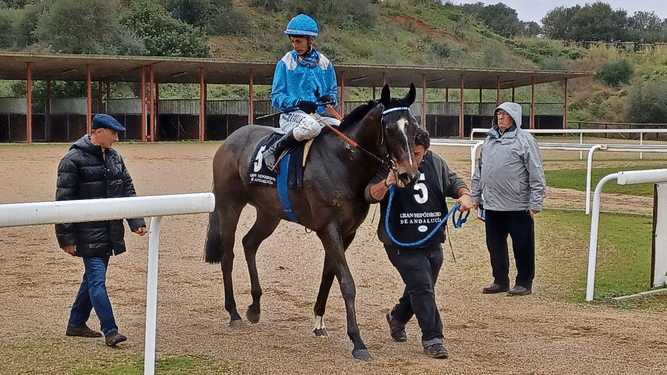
[304,126]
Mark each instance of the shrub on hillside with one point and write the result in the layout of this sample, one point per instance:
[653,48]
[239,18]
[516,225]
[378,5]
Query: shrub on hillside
[647,103]
[615,73]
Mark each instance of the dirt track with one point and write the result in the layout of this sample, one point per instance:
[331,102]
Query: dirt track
[538,334]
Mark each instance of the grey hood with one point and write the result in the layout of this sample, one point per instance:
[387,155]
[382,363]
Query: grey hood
[513,109]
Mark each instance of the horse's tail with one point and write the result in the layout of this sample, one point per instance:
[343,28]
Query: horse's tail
[213,247]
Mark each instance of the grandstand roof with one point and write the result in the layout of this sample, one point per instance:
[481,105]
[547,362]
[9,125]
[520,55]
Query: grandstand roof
[13,66]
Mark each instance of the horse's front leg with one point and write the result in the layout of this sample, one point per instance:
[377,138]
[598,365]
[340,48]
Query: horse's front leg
[226,218]
[328,275]
[335,251]
[263,227]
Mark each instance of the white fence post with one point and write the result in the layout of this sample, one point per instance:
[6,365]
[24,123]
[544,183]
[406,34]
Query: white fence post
[22,214]
[624,178]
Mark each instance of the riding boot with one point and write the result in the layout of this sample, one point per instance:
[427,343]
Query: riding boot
[272,154]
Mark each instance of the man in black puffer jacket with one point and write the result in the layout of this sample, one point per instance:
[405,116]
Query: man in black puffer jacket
[92,169]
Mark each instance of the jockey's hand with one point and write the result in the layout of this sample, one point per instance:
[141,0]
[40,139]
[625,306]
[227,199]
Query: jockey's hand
[325,99]
[307,106]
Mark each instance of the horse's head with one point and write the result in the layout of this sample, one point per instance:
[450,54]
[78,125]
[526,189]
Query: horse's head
[400,128]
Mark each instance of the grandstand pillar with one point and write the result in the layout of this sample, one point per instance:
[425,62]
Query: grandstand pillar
[100,97]
[565,109]
[89,100]
[202,105]
[342,93]
[532,103]
[151,100]
[47,114]
[29,99]
[424,101]
[497,91]
[462,111]
[251,108]
[144,119]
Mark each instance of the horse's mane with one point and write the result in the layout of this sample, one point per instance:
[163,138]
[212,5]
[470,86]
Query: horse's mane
[357,114]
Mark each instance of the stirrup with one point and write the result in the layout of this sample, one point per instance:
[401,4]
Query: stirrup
[278,159]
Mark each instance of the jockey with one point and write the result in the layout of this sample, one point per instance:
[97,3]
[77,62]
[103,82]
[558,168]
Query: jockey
[303,83]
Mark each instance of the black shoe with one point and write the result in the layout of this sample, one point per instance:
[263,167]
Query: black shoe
[272,154]
[519,290]
[397,332]
[82,331]
[436,351]
[114,338]
[494,288]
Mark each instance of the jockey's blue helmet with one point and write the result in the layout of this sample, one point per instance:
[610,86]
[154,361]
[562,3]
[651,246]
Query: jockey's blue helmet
[302,25]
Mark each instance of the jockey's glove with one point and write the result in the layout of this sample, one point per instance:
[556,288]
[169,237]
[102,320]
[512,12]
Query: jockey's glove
[325,99]
[307,106]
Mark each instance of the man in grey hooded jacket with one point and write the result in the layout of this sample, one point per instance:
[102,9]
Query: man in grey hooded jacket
[509,186]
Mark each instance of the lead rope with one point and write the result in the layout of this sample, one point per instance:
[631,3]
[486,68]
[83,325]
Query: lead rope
[456,222]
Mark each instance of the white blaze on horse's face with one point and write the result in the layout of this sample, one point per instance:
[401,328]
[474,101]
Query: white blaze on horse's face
[403,124]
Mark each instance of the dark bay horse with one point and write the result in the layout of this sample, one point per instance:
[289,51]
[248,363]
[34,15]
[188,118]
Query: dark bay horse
[331,202]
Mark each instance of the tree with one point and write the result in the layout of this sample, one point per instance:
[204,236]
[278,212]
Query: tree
[557,23]
[83,26]
[162,34]
[645,27]
[217,17]
[592,22]
[500,18]
[348,14]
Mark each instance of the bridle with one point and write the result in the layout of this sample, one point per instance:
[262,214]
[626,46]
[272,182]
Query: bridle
[384,160]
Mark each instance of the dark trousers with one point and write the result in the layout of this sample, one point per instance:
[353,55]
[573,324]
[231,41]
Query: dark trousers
[521,228]
[419,268]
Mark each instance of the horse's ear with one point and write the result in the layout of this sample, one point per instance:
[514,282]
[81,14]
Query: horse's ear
[410,96]
[386,95]
[376,113]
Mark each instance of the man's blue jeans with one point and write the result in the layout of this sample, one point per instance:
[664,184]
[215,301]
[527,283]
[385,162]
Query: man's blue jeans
[93,294]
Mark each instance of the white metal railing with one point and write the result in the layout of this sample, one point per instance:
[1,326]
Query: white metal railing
[22,214]
[623,178]
[591,148]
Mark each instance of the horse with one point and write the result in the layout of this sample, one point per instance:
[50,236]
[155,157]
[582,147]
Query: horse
[331,202]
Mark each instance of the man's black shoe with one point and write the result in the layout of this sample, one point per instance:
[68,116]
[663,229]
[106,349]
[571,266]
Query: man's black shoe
[436,351]
[494,288]
[397,332]
[82,331]
[519,291]
[114,338]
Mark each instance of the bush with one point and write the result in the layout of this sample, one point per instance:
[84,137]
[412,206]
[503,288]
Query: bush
[647,103]
[615,73]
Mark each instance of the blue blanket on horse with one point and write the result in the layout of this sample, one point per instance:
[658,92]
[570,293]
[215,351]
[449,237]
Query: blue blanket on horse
[289,170]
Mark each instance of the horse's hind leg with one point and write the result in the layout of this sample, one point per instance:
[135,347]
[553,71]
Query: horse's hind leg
[227,215]
[263,227]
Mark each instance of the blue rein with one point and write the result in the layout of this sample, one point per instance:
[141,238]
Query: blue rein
[456,222]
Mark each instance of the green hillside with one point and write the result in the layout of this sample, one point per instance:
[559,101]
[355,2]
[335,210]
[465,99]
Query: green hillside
[630,84]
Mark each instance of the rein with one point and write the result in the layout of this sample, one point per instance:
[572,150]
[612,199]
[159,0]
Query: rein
[349,140]
[456,222]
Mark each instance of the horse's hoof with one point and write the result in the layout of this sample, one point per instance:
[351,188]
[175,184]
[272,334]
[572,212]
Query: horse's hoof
[362,354]
[253,317]
[236,323]
[321,332]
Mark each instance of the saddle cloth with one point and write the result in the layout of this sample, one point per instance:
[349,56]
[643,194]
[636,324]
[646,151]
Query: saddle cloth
[290,168]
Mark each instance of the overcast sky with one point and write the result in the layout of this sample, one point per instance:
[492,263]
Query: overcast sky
[535,10]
